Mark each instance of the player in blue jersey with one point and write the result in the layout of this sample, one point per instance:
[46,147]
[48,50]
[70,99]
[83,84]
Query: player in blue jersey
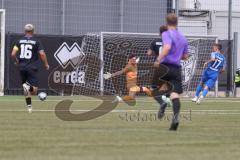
[210,75]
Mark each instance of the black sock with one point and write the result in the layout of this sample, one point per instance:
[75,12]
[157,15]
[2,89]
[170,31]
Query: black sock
[29,101]
[176,110]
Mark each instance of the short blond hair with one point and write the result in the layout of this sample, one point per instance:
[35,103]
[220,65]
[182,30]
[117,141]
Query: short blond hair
[29,28]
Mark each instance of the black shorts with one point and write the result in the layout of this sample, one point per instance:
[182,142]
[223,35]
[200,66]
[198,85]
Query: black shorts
[29,76]
[168,74]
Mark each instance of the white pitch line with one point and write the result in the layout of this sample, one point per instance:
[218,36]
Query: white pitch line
[138,100]
[213,112]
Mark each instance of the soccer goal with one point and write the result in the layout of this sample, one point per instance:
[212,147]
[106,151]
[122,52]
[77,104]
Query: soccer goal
[2,56]
[113,48]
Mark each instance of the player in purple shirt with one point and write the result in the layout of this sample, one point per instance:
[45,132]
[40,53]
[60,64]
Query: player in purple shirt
[179,47]
[174,49]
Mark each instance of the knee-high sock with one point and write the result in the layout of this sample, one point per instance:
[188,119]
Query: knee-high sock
[205,91]
[176,110]
[28,101]
[198,90]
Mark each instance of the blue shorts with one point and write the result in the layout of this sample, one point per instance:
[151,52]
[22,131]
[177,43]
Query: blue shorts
[209,78]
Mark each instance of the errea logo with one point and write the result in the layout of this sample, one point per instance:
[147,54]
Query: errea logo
[66,55]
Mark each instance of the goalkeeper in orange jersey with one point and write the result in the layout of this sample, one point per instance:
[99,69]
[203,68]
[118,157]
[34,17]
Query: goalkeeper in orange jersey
[131,77]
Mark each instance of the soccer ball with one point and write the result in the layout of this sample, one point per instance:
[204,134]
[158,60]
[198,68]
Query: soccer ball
[42,96]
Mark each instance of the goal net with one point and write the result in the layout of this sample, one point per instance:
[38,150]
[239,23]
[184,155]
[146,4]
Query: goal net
[108,52]
[2,50]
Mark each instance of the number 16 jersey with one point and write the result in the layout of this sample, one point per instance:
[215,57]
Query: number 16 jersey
[28,48]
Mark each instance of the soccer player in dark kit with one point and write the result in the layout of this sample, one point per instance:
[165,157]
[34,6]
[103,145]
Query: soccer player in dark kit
[154,49]
[26,54]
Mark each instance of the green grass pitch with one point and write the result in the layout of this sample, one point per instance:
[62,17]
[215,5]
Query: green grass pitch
[210,131]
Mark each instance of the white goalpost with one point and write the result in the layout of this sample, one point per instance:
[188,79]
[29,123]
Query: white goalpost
[2,57]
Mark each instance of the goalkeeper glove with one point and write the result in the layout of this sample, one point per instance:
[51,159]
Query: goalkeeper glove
[107,75]
[137,60]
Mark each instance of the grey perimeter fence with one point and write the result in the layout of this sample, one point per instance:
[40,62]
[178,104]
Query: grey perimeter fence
[75,17]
